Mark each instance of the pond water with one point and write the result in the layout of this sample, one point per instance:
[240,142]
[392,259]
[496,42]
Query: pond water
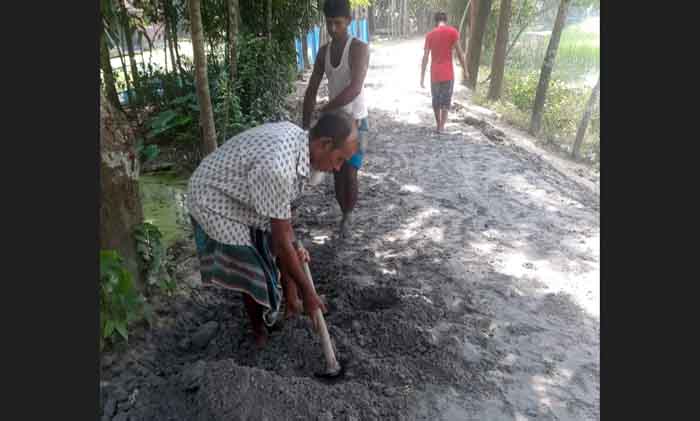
[163,198]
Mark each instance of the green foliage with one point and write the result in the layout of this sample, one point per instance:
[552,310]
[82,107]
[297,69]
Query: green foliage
[563,109]
[577,60]
[264,77]
[149,245]
[289,18]
[120,303]
[520,89]
[228,113]
[360,3]
[178,123]
[578,54]
[265,71]
[146,152]
[167,120]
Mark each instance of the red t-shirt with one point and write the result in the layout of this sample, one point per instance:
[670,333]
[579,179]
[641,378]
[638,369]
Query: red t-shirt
[440,42]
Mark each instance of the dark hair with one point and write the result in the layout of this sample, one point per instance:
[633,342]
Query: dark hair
[335,124]
[440,17]
[337,9]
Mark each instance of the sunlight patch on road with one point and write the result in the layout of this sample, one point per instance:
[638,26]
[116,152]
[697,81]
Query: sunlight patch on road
[413,227]
[582,285]
[376,177]
[411,188]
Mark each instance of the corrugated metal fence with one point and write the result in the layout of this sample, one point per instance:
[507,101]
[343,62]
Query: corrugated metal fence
[358,29]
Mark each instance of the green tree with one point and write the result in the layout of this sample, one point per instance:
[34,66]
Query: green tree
[482,9]
[547,67]
[499,54]
[107,73]
[120,202]
[206,113]
[129,36]
[590,107]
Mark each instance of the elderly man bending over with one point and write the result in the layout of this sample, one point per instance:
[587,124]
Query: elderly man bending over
[239,200]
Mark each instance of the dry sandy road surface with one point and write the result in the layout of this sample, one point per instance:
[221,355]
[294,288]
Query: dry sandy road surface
[469,290]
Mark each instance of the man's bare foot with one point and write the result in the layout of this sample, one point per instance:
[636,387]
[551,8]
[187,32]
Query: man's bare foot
[345,225]
[260,336]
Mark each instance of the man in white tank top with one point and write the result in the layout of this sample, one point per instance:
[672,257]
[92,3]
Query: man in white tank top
[344,60]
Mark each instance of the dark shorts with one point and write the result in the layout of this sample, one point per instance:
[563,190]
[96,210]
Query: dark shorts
[442,93]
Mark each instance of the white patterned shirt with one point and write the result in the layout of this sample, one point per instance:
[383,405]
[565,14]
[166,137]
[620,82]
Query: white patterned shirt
[251,178]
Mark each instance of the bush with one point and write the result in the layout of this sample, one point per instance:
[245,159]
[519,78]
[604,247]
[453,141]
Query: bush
[578,58]
[264,78]
[120,303]
[263,81]
[563,109]
[152,252]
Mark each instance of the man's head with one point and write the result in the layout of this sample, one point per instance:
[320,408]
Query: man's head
[338,18]
[332,141]
[440,17]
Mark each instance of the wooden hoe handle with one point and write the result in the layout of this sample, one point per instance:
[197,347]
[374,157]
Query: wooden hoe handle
[320,325]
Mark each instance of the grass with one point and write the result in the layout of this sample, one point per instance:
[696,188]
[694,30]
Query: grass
[576,68]
[578,54]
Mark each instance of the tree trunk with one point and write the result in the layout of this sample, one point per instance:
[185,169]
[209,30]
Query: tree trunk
[120,202]
[150,48]
[476,38]
[322,32]
[269,19]
[171,49]
[206,114]
[429,22]
[471,22]
[406,23]
[523,28]
[305,50]
[125,71]
[462,28]
[129,43]
[547,67]
[397,18]
[370,20]
[392,34]
[590,106]
[143,56]
[169,34]
[517,21]
[233,16]
[175,43]
[165,46]
[464,36]
[499,53]
[107,72]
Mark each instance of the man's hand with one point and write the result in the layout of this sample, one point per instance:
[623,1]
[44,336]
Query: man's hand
[303,255]
[312,302]
[423,65]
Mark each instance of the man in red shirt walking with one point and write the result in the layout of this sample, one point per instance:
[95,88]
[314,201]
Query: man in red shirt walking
[439,43]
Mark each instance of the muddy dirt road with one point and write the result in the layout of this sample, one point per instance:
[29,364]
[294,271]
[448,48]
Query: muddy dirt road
[469,290]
